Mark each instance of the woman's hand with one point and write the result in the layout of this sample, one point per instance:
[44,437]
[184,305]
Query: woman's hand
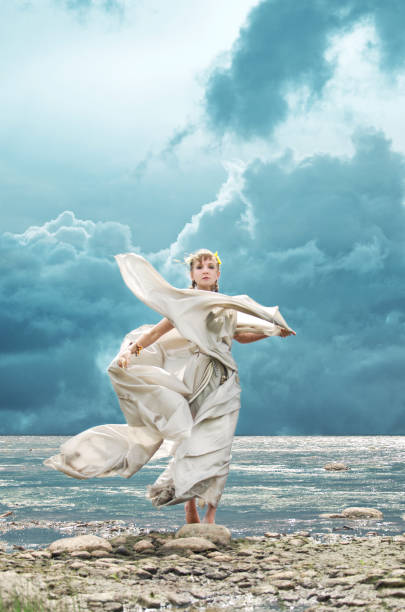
[286,332]
[124,358]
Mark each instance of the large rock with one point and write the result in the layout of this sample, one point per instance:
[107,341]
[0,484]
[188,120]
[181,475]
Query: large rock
[193,544]
[335,466]
[84,542]
[218,534]
[362,513]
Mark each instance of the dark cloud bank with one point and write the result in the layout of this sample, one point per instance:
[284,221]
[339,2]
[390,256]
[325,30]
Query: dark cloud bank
[326,244]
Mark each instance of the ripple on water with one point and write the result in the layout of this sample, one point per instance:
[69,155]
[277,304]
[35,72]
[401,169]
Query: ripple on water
[275,482]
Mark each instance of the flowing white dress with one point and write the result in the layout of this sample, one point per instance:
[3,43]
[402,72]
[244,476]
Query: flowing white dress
[179,397]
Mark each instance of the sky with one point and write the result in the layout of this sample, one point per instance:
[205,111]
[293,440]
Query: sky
[271,131]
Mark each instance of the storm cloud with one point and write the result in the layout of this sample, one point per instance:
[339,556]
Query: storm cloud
[64,311]
[281,48]
[323,239]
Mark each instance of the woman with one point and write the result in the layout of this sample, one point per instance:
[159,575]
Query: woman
[178,387]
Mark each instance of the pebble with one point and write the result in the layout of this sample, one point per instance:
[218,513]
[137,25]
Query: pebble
[390,583]
[143,546]
[178,599]
[81,554]
[265,589]
[392,593]
[272,534]
[122,550]
[98,553]
[152,600]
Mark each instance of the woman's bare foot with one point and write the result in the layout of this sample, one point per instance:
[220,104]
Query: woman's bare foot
[210,514]
[191,512]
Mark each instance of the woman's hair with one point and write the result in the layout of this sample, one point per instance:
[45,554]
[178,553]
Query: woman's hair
[198,257]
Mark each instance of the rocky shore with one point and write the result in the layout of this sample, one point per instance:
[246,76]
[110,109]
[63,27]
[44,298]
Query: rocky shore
[202,568]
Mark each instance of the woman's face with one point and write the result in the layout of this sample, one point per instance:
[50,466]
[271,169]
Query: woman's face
[205,273]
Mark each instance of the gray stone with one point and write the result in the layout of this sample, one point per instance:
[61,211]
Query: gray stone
[84,542]
[218,534]
[356,603]
[390,583]
[245,584]
[283,584]
[118,540]
[102,598]
[98,553]
[186,544]
[80,554]
[284,575]
[399,538]
[220,558]
[178,599]
[152,569]
[216,575]
[122,550]
[144,546]
[323,597]
[198,593]
[289,596]
[335,466]
[42,554]
[392,593]
[272,534]
[141,573]
[264,589]
[362,513]
[76,565]
[152,600]
[181,571]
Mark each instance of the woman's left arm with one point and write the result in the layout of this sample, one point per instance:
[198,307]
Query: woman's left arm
[246,337]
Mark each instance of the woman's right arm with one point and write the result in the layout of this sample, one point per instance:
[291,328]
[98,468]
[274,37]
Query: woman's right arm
[145,340]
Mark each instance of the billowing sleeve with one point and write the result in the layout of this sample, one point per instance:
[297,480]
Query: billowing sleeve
[188,309]
[248,323]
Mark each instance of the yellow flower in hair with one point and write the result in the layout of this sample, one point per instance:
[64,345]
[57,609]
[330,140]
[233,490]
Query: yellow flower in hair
[217,256]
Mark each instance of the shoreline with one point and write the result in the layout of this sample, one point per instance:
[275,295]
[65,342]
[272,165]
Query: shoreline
[129,571]
[37,533]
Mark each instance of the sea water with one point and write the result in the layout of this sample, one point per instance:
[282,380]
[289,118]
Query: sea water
[275,484]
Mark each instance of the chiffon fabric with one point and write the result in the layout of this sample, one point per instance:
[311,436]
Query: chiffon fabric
[179,397]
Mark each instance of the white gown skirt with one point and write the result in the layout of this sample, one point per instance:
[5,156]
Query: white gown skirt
[189,415]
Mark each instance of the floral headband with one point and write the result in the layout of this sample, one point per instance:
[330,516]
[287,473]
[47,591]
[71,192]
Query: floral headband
[187,259]
[217,257]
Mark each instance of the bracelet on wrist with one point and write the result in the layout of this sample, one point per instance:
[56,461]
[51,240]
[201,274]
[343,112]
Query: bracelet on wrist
[136,348]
